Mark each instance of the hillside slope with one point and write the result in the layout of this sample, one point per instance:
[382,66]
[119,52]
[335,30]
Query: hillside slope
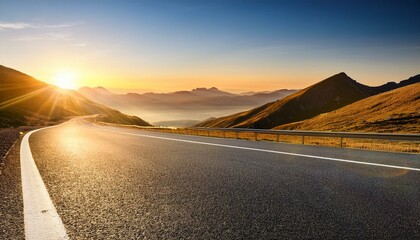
[27,101]
[394,111]
[328,95]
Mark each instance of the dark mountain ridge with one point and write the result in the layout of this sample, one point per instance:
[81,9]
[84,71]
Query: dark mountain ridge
[332,93]
[393,111]
[25,100]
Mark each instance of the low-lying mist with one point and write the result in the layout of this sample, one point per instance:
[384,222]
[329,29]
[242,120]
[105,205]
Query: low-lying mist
[198,104]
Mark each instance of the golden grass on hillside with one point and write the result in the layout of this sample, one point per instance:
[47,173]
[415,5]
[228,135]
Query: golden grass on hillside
[396,111]
[327,95]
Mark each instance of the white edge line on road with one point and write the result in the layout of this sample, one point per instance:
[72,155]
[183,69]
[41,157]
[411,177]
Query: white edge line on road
[272,151]
[40,216]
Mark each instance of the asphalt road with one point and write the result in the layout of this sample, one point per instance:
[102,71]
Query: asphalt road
[115,183]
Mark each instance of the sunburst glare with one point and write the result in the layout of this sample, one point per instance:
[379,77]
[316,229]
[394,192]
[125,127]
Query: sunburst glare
[66,80]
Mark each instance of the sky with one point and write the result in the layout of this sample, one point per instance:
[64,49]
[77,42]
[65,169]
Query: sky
[165,46]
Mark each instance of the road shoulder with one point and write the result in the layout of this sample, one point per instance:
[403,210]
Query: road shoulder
[11,203]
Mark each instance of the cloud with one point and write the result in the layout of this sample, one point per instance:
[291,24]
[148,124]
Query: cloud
[54,36]
[80,44]
[52,32]
[16,25]
[59,36]
[25,25]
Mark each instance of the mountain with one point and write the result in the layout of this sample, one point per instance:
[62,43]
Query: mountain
[199,103]
[325,96]
[177,123]
[96,90]
[393,111]
[27,101]
[210,92]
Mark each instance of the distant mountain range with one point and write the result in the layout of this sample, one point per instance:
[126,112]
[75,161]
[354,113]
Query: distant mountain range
[195,105]
[337,103]
[177,123]
[330,94]
[392,111]
[27,101]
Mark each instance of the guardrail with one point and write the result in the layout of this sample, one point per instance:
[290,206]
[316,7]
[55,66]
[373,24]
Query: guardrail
[386,141]
[303,134]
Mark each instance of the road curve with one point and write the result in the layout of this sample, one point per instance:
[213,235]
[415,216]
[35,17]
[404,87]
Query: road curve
[115,183]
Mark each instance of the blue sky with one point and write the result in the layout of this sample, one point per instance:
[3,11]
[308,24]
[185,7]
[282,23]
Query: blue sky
[243,45]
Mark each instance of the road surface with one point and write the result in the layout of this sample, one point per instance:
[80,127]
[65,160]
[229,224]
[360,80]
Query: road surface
[118,183]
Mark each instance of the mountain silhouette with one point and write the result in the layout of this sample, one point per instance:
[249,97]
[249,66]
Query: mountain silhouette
[197,104]
[25,100]
[330,94]
[393,111]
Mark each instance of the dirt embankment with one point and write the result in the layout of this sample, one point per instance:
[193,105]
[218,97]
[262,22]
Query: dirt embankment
[8,136]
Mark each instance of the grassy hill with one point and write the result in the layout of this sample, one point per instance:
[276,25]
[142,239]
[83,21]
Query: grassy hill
[27,101]
[394,111]
[330,94]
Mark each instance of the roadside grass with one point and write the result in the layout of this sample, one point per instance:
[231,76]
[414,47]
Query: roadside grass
[366,144]
[383,145]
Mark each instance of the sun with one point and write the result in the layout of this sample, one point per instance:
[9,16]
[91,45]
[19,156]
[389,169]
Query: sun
[66,80]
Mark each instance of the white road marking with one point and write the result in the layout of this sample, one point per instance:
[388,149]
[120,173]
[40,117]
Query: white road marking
[272,151]
[40,216]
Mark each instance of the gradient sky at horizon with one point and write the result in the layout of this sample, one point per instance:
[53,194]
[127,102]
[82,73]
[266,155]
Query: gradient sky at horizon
[235,45]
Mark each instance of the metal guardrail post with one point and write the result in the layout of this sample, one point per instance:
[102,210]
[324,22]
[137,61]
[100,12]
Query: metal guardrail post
[341,142]
[256,136]
[303,139]
[236,135]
